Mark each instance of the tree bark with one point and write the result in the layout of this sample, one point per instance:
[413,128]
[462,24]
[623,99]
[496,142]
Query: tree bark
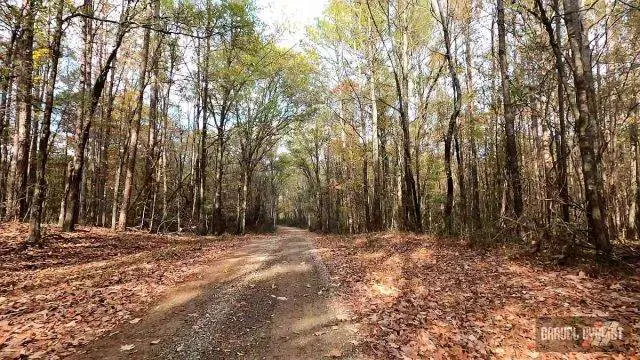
[35,223]
[585,128]
[411,202]
[133,136]
[476,216]
[451,128]
[17,181]
[555,40]
[511,149]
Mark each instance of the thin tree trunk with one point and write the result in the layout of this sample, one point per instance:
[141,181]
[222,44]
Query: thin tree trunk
[411,202]
[242,218]
[133,137]
[151,159]
[555,40]
[84,119]
[634,211]
[451,128]
[202,166]
[377,183]
[475,191]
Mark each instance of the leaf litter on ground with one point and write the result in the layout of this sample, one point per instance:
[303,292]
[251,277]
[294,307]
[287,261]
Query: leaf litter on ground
[422,297]
[82,285]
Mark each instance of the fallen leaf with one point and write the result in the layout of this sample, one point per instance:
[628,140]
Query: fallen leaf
[128,347]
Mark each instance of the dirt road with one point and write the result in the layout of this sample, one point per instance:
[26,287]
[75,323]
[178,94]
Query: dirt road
[270,299]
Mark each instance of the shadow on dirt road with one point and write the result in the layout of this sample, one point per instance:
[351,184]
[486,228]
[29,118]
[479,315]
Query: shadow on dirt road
[270,299]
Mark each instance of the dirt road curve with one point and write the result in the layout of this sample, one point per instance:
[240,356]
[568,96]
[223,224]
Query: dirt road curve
[270,299]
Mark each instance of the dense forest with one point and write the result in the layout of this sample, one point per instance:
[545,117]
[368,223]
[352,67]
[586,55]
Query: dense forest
[489,119]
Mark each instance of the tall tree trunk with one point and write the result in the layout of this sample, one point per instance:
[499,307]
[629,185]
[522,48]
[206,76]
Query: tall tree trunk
[555,40]
[6,85]
[35,133]
[71,197]
[376,223]
[385,204]
[219,221]
[122,156]
[244,193]
[634,211]
[457,138]
[17,181]
[410,200]
[104,151]
[165,138]
[151,158]
[133,137]
[84,119]
[475,188]
[40,190]
[365,176]
[202,166]
[585,128]
[451,128]
[511,149]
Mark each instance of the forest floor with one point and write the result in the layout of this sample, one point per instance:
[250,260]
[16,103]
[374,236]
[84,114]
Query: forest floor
[98,294]
[427,297]
[172,297]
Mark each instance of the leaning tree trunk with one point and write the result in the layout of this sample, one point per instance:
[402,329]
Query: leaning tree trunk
[70,201]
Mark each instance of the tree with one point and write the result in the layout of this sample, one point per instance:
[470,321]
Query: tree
[39,194]
[135,128]
[17,181]
[451,128]
[585,128]
[511,149]
[90,98]
[266,112]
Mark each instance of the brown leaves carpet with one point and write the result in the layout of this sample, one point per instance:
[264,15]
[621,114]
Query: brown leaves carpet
[410,297]
[423,297]
[84,284]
